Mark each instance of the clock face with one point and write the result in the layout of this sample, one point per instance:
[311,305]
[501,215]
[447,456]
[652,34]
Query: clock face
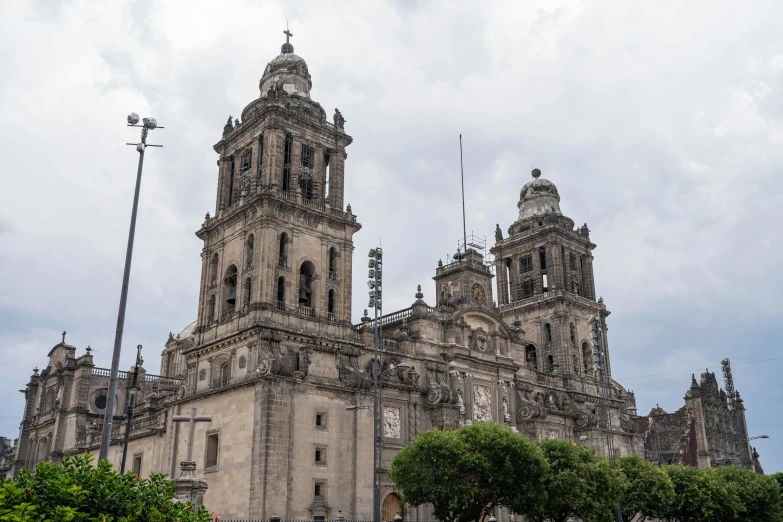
[478,294]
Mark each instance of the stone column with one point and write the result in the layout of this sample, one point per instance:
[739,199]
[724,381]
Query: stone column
[502,282]
[588,283]
[336,178]
[555,267]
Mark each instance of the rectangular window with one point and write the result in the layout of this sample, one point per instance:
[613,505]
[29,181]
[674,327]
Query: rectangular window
[307,156]
[213,441]
[320,456]
[246,159]
[319,519]
[320,421]
[526,289]
[542,258]
[525,264]
[319,490]
[137,464]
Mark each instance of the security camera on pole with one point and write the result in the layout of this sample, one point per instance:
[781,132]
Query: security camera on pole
[148,124]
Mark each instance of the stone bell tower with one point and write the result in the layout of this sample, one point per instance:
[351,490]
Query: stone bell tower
[279,246]
[545,283]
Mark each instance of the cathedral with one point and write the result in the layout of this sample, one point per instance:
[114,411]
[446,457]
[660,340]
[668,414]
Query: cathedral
[275,361]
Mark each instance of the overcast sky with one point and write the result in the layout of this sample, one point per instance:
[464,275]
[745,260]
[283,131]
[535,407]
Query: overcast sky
[660,122]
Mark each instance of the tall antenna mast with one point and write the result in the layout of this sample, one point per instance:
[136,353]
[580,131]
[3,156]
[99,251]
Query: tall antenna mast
[462,175]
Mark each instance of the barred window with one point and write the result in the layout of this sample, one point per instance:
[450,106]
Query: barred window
[246,159]
[526,289]
[307,156]
[526,264]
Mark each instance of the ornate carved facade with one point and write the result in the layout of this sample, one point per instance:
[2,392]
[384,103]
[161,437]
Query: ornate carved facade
[274,359]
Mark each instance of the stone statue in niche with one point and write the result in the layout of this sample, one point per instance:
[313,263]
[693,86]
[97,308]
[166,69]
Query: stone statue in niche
[506,415]
[552,435]
[242,361]
[202,374]
[461,404]
[482,403]
[391,423]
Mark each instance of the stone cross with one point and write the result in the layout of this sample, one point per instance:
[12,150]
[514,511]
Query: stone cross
[191,419]
[288,34]
[63,336]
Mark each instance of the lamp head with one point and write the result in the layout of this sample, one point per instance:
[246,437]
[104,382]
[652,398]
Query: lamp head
[150,123]
[133,118]
[352,408]
[403,366]
[583,437]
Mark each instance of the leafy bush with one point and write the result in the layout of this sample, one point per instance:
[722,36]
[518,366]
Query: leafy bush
[80,492]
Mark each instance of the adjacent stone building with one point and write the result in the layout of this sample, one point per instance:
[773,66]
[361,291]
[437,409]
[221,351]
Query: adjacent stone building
[275,360]
[703,432]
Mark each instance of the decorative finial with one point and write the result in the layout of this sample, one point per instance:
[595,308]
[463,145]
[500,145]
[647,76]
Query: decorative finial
[365,313]
[236,122]
[207,217]
[536,173]
[440,262]
[419,295]
[88,350]
[35,371]
[63,336]
[348,209]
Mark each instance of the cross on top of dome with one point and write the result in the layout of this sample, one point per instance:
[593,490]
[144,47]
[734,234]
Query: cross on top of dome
[287,47]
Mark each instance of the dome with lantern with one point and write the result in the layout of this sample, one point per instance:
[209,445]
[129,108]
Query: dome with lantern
[287,71]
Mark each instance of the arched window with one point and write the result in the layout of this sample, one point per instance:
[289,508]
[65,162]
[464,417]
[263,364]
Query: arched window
[326,177]
[230,288]
[331,302]
[225,374]
[283,250]
[306,276]
[332,263]
[550,363]
[249,244]
[281,293]
[213,270]
[587,356]
[211,309]
[573,334]
[260,155]
[531,360]
[575,362]
[547,333]
[170,364]
[247,291]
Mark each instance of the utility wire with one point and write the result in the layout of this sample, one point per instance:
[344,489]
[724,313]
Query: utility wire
[692,369]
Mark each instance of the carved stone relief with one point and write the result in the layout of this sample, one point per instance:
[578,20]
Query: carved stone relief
[202,374]
[391,423]
[242,361]
[482,403]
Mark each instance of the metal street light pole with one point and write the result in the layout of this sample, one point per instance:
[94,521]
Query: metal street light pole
[148,125]
[132,390]
[375,283]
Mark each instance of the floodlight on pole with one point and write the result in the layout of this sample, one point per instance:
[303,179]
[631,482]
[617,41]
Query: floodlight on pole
[148,125]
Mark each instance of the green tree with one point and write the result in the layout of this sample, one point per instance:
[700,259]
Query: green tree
[578,484]
[80,492]
[700,494]
[758,496]
[647,491]
[466,474]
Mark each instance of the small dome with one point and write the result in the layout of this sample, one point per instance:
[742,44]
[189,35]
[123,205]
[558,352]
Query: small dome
[188,331]
[538,197]
[288,72]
